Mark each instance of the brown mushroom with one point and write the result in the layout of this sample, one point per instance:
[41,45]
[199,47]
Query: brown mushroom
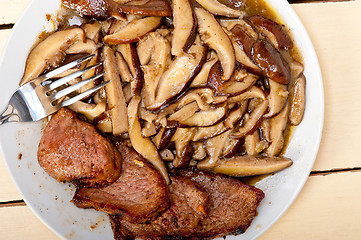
[273,65]
[115,96]
[154,70]
[298,100]
[184,148]
[201,79]
[214,147]
[145,49]
[89,110]
[50,52]
[278,126]
[206,118]
[133,31]
[254,119]
[144,146]
[273,30]
[179,75]
[130,55]
[185,27]
[214,36]
[218,8]
[277,98]
[242,166]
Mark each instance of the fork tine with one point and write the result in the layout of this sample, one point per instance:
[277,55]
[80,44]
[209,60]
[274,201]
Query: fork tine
[66,79]
[74,87]
[82,95]
[61,69]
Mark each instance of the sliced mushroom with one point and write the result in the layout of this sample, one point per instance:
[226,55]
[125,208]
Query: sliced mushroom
[123,68]
[236,87]
[201,79]
[273,65]
[277,98]
[244,36]
[104,122]
[296,68]
[167,155]
[245,61]
[253,92]
[185,27]
[145,49]
[203,96]
[277,131]
[130,55]
[232,146]
[212,131]
[154,70]
[149,129]
[184,149]
[235,115]
[92,72]
[199,151]
[133,31]
[89,110]
[184,113]
[242,166]
[218,8]
[89,46]
[92,30]
[253,144]
[206,118]
[209,132]
[214,36]
[116,24]
[214,147]
[254,119]
[265,130]
[273,30]
[298,100]
[179,75]
[166,136]
[50,52]
[115,96]
[143,146]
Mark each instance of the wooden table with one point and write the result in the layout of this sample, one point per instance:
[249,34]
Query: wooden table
[329,205]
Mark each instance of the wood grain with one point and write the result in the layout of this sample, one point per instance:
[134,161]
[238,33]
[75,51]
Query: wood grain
[11,10]
[336,41]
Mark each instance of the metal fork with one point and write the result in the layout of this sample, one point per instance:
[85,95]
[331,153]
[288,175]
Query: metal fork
[35,100]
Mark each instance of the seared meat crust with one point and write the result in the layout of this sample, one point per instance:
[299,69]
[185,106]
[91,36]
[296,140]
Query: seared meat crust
[138,195]
[72,150]
[187,207]
[232,204]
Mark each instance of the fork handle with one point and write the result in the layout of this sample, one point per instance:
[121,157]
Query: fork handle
[7,114]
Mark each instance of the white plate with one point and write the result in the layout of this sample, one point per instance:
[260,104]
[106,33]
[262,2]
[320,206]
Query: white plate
[49,199]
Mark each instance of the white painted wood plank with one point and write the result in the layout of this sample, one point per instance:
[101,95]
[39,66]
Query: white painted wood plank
[11,10]
[335,32]
[328,208]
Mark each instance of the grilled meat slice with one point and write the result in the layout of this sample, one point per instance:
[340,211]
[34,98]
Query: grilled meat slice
[188,206]
[72,150]
[232,204]
[138,195]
